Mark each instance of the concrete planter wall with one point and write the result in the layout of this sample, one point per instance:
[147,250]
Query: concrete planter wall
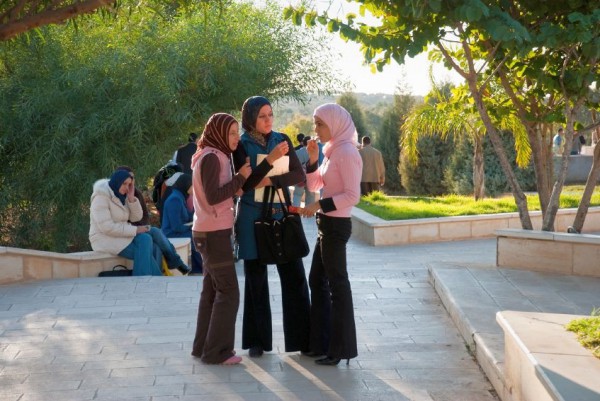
[544,361]
[378,232]
[573,254]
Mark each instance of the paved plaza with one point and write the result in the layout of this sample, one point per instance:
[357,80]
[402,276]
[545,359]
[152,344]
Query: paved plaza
[130,338]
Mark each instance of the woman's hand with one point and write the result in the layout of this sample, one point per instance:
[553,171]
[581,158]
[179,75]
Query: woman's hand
[246,170]
[131,191]
[279,150]
[142,229]
[313,151]
[310,210]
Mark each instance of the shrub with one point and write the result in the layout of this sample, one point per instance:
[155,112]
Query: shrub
[426,177]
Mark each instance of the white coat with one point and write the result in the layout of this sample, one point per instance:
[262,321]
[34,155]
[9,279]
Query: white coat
[110,230]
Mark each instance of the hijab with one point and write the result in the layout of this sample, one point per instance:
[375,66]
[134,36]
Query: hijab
[117,179]
[340,125]
[215,135]
[216,132]
[183,184]
[250,110]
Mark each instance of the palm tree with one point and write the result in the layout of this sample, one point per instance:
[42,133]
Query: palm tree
[443,114]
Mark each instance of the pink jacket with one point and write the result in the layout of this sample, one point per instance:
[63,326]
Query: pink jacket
[339,176]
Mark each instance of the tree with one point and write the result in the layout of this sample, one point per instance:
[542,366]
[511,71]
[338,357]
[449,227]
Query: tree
[348,101]
[442,114]
[389,138]
[543,54]
[74,105]
[20,16]
[299,124]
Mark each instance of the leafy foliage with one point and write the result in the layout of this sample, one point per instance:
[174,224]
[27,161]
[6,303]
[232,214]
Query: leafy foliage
[388,141]
[459,172]
[75,105]
[426,176]
[349,101]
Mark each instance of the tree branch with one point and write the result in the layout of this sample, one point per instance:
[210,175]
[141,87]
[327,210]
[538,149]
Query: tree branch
[12,29]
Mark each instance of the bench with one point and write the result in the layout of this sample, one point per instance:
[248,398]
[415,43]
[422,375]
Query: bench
[17,264]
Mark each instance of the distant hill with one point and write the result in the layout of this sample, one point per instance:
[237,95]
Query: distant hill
[285,111]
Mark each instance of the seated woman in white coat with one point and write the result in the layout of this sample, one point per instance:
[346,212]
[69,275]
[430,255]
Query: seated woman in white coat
[113,205]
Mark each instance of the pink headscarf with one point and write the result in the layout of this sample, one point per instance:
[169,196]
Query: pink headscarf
[340,125]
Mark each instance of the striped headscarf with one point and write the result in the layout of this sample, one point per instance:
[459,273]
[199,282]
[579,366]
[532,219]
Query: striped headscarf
[216,132]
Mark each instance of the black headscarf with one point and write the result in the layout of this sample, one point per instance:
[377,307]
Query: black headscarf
[117,179]
[250,111]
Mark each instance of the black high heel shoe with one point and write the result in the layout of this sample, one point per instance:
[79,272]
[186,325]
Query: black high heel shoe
[329,361]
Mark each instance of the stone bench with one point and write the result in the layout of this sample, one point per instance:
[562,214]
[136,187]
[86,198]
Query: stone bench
[17,264]
[556,252]
[545,362]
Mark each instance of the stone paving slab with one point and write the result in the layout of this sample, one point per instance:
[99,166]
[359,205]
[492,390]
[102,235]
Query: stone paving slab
[474,294]
[130,338]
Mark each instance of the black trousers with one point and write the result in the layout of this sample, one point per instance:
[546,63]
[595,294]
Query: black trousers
[332,326]
[257,324]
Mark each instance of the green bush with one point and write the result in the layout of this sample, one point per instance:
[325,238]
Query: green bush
[426,177]
[458,177]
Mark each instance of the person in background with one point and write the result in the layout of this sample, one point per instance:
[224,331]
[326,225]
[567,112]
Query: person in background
[557,141]
[176,219]
[300,188]
[214,187]
[578,142]
[259,138]
[113,205]
[300,138]
[373,173]
[145,220]
[183,154]
[332,324]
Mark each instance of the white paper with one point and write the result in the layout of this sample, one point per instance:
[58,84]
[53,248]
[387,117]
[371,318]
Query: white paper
[280,166]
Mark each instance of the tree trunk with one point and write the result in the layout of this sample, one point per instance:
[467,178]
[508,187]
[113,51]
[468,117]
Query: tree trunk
[520,198]
[590,184]
[478,169]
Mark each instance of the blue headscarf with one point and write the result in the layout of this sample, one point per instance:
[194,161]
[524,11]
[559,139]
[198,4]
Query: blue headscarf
[117,179]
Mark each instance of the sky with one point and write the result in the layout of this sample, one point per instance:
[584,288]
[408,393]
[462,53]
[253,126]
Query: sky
[412,75]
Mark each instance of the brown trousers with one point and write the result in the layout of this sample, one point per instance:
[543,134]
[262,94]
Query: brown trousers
[219,300]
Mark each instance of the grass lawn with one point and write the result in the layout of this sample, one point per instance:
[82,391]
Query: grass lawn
[588,333]
[418,207]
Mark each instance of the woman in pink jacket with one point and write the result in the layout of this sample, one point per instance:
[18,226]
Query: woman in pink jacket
[332,327]
[214,186]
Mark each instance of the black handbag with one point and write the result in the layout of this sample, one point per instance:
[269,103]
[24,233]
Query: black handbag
[282,240]
[117,271]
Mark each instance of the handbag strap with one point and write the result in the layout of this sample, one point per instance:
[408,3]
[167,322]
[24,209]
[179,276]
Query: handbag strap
[286,202]
[267,203]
